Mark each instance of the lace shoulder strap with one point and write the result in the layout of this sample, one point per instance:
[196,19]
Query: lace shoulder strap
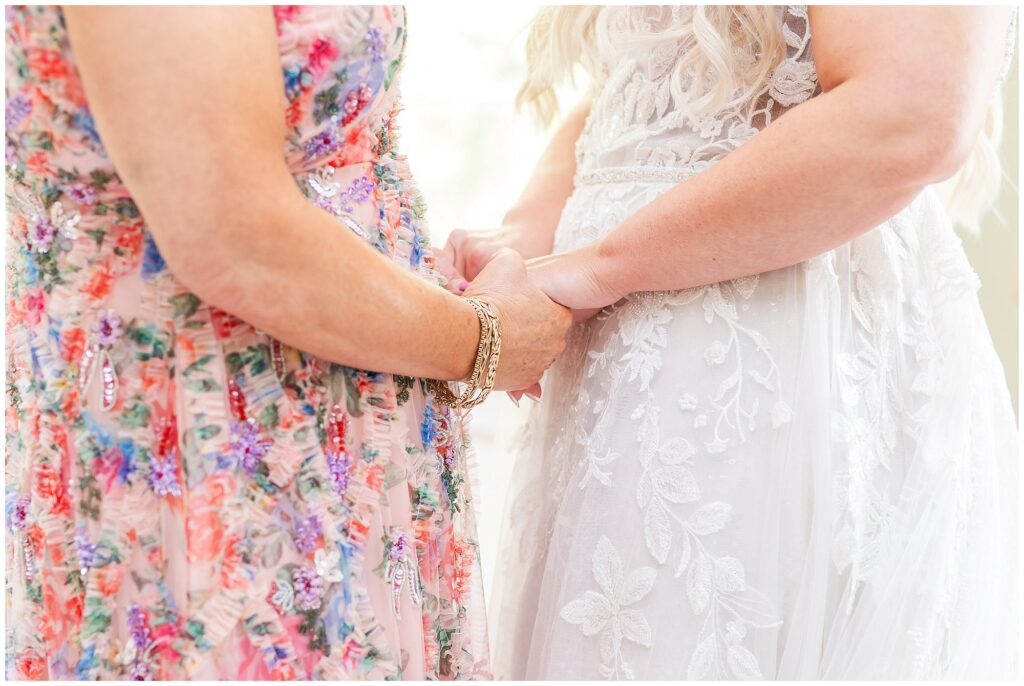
[794,80]
[796,31]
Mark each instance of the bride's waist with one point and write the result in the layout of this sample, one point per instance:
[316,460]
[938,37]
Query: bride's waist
[644,174]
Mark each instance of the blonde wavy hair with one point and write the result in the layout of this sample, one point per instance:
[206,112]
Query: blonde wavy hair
[728,55]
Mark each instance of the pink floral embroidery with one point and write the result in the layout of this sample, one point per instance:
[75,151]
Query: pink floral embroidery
[210,437]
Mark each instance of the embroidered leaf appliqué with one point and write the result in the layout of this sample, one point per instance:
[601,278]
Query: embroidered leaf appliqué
[710,518]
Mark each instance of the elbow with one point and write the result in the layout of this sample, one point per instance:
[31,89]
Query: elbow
[214,224]
[922,141]
[204,249]
[197,258]
[938,149]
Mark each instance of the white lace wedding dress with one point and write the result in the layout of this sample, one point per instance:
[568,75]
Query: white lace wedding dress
[809,473]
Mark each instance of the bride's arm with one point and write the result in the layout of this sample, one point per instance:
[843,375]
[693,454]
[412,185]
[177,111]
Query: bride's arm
[189,104]
[906,92]
[529,226]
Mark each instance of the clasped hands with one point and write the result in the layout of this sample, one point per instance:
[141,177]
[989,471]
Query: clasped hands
[537,298]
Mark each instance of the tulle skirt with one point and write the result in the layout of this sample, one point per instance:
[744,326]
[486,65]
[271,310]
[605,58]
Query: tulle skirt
[809,473]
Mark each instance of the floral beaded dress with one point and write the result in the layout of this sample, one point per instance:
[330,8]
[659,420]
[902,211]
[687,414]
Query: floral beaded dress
[186,497]
[803,474]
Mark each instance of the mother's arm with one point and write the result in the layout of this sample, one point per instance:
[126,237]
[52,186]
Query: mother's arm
[906,91]
[189,104]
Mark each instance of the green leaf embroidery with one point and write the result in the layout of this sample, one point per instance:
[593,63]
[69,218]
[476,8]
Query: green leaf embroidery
[185,305]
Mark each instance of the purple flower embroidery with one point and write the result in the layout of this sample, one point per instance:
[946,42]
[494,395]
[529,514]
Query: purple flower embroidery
[81,193]
[306,533]
[108,328]
[320,144]
[139,671]
[360,191]
[19,513]
[399,547]
[338,466]
[247,445]
[376,44]
[308,588]
[450,457]
[137,628]
[41,234]
[85,549]
[17,109]
[163,474]
[324,203]
[140,635]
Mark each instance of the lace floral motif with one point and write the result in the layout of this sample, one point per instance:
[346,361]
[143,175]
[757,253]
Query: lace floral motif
[607,614]
[715,585]
[634,133]
[734,417]
[687,429]
[634,146]
[874,417]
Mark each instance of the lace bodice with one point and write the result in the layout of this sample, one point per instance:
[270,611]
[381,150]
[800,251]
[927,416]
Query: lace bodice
[635,133]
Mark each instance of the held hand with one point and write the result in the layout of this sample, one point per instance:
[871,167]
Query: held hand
[573,279]
[468,252]
[533,328]
[444,260]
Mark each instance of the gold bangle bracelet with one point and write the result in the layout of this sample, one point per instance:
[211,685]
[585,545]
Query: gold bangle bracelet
[485,365]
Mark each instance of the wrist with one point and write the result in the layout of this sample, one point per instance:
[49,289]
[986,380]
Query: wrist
[605,270]
[465,340]
[480,382]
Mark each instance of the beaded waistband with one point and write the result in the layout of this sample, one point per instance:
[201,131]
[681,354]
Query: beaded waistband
[643,174]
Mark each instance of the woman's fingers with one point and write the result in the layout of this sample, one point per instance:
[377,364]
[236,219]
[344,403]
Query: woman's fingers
[471,251]
[454,247]
[533,392]
[445,260]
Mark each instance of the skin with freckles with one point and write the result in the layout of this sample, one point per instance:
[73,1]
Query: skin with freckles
[905,95]
[246,229]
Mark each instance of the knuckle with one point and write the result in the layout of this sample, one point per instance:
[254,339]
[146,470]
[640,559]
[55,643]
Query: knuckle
[477,250]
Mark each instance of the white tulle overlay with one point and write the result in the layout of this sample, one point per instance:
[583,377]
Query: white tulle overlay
[810,473]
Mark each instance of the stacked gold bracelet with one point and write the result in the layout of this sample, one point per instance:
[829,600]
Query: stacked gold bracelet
[485,366]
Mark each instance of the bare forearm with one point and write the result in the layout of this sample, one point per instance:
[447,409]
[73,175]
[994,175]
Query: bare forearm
[292,271]
[223,206]
[907,90]
[796,190]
